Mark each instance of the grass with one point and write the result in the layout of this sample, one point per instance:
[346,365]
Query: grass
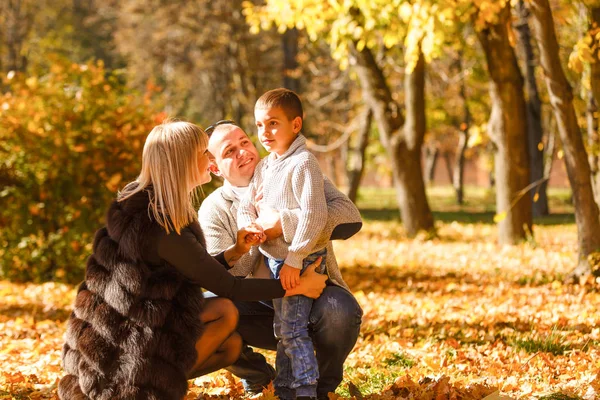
[458,305]
[380,204]
[367,381]
[551,343]
[559,396]
[399,360]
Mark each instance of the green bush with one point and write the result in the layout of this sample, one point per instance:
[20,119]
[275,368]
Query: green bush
[70,137]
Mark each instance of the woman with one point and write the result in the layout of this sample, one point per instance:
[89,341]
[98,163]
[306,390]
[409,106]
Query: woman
[140,326]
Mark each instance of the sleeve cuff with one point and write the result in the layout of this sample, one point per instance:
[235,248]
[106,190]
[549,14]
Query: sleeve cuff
[221,258]
[294,260]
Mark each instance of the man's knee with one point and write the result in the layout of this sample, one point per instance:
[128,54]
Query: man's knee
[334,312]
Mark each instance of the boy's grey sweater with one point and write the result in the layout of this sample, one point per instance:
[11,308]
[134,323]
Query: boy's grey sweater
[291,181]
[218,219]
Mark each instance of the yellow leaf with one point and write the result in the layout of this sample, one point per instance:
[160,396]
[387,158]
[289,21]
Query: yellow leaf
[560,154]
[511,34]
[475,137]
[114,181]
[360,45]
[540,146]
[31,82]
[536,197]
[575,63]
[500,217]
[405,11]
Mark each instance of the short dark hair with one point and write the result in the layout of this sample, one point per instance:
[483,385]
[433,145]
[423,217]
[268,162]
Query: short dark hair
[283,98]
[211,128]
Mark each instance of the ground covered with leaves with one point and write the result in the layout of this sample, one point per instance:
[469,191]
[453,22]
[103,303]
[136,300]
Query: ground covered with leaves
[455,317]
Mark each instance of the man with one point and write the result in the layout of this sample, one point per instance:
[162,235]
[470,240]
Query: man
[335,316]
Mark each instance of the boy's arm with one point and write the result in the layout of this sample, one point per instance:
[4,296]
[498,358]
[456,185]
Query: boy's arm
[343,217]
[247,213]
[307,187]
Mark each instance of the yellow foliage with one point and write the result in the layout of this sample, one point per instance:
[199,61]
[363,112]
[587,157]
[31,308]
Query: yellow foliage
[59,145]
[499,217]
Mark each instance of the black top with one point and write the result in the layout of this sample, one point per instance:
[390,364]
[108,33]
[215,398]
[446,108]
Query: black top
[189,256]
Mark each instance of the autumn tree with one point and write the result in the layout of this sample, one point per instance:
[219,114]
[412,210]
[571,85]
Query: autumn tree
[354,30]
[70,137]
[535,131]
[575,155]
[507,127]
[592,37]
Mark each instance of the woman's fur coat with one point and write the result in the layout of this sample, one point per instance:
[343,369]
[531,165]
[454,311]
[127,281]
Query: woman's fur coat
[134,326]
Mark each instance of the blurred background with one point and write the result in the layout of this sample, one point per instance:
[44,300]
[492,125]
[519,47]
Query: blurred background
[421,110]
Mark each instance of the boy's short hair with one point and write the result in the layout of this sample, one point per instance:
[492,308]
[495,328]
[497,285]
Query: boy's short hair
[283,98]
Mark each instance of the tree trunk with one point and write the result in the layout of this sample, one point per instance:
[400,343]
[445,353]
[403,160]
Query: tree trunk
[534,115]
[549,149]
[508,126]
[290,62]
[575,156]
[593,137]
[594,143]
[356,156]
[14,22]
[448,164]
[431,157]
[458,176]
[403,140]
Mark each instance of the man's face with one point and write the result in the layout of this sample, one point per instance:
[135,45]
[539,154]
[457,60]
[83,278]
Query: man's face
[275,131]
[234,155]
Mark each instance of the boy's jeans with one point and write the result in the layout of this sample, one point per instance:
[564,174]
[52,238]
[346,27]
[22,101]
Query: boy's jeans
[295,361]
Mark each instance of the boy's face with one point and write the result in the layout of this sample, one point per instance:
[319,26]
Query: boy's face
[275,131]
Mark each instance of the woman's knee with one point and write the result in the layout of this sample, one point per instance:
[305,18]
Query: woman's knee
[229,313]
[233,347]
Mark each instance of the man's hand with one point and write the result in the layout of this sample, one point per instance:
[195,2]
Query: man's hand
[289,276]
[251,235]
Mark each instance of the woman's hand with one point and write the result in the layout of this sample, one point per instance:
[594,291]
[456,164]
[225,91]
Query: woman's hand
[251,235]
[311,282]
[247,237]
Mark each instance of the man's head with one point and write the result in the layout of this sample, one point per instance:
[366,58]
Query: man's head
[233,155]
[278,114]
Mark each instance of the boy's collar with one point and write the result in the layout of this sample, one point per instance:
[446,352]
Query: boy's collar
[299,142]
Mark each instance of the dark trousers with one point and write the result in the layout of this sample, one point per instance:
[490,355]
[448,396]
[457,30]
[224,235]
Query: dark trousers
[334,324]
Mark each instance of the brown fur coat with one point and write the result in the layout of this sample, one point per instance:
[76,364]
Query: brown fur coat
[134,325]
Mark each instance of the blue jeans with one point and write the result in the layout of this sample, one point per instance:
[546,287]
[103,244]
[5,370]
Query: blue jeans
[296,364]
[334,326]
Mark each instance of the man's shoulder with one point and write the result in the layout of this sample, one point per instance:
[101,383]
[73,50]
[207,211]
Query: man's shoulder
[215,200]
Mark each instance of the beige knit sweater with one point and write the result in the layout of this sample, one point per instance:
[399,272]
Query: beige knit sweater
[218,219]
[291,181]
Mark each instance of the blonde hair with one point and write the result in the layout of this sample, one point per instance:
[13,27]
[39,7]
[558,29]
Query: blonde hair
[170,165]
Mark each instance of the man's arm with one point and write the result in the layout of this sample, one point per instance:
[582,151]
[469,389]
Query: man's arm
[213,216]
[343,218]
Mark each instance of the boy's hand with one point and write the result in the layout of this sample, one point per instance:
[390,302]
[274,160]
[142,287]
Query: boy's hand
[251,235]
[289,276]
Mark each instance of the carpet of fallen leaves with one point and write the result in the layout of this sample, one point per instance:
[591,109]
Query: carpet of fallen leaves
[457,317]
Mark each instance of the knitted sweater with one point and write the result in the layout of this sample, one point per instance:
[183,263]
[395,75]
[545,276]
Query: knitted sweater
[218,218]
[292,180]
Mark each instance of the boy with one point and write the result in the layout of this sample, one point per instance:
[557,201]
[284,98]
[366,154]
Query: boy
[289,178]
